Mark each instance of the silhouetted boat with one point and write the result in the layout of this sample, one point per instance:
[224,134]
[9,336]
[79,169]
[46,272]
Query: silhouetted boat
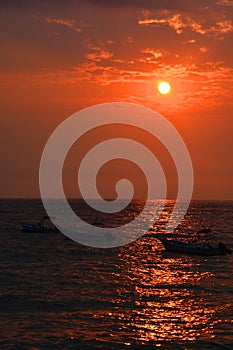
[39,227]
[175,245]
[194,242]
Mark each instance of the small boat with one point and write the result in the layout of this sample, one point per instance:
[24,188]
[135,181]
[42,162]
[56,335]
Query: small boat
[39,227]
[204,248]
[193,242]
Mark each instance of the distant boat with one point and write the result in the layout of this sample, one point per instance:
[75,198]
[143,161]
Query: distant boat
[41,226]
[198,244]
[193,242]
[175,245]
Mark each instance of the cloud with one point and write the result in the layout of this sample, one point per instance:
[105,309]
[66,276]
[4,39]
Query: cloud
[105,74]
[98,54]
[152,4]
[174,22]
[152,55]
[203,49]
[65,22]
[203,87]
[179,23]
[191,5]
[225,2]
[223,27]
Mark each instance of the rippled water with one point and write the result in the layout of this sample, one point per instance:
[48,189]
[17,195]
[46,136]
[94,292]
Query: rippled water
[56,294]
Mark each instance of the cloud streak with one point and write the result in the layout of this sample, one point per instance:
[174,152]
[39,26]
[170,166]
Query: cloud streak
[179,23]
[98,54]
[225,2]
[65,22]
[208,85]
[191,5]
[151,4]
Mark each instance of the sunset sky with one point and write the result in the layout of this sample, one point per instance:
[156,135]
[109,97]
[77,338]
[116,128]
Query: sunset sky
[58,57]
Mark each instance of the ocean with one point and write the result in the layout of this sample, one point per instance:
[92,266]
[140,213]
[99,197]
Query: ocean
[58,294]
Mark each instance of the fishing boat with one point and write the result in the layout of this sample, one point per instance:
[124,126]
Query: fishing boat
[175,245]
[198,244]
[44,225]
[194,242]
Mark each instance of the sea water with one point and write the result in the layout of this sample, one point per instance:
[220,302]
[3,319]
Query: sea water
[57,294]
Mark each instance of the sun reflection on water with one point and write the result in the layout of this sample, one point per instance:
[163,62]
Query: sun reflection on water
[167,302]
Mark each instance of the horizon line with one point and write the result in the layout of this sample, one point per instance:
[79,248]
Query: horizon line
[111,199]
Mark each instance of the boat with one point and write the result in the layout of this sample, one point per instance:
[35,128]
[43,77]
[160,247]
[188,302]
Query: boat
[193,242]
[43,226]
[204,248]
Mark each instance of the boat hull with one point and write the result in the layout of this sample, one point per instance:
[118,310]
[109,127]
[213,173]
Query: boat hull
[188,248]
[27,227]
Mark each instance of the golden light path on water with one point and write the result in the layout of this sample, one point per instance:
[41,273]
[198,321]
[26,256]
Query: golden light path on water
[158,305]
[159,300]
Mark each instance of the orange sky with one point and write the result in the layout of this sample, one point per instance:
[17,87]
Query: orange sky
[56,60]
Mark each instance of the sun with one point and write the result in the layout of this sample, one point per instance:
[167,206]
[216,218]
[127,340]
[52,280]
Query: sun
[164,87]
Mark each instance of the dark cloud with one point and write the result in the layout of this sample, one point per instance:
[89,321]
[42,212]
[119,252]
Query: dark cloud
[190,5]
[18,3]
[24,4]
[153,4]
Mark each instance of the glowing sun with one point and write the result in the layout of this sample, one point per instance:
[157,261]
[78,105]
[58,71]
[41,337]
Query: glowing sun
[164,87]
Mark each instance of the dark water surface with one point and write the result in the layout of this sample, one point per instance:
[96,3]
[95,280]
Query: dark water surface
[56,294]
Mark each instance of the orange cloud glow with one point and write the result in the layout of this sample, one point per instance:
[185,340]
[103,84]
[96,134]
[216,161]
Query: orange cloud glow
[178,23]
[65,22]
